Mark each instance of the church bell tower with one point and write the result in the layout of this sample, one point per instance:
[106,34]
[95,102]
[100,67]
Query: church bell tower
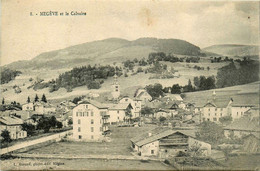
[115,88]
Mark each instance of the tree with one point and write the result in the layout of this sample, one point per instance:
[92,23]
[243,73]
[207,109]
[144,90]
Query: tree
[196,82]
[176,89]
[44,98]
[225,120]
[155,90]
[28,100]
[44,123]
[146,110]
[128,115]
[210,132]
[70,121]
[6,136]
[59,124]
[3,101]
[36,99]
[29,128]
[162,119]
[53,121]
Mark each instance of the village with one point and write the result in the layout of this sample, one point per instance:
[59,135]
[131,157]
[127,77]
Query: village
[214,127]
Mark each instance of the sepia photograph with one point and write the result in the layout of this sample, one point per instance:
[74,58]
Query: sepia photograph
[129,85]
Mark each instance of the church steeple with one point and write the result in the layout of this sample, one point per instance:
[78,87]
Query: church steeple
[115,87]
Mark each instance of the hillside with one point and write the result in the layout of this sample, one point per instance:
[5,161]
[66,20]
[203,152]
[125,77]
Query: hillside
[233,50]
[108,51]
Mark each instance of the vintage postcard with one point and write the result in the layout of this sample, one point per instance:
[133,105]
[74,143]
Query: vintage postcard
[129,85]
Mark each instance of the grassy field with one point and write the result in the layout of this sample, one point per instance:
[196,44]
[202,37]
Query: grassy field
[243,162]
[120,144]
[185,70]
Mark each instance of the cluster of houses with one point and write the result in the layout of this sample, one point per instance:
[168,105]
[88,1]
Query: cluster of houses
[12,120]
[91,119]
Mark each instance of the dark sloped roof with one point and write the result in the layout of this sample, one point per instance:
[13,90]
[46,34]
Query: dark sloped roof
[159,133]
[245,123]
[249,99]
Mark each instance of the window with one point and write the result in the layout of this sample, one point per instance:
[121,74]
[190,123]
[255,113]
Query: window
[208,119]
[87,113]
[80,136]
[216,109]
[92,137]
[215,114]
[166,151]
[209,114]
[79,121]
[79,129]
[92,121]
[77,114]
[220,114]
[92,114]
[221,109]
[118,111]
[126,100]
[86,106]
[118,117]
[214,119]
[92,129]
[209,109]
[152,151]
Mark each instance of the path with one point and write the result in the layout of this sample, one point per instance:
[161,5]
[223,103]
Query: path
[26,144]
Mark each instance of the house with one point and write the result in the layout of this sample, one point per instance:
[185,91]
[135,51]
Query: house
[119,112]
[251,143]
[28,106]
[164,142]
[173,97]
[90,121]
[216,108]
[14,126]
[162,113]
[135,103]
[143,95]
[242,103]
[39,107]
[243,126]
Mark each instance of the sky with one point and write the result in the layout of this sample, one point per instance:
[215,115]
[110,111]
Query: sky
[203,23]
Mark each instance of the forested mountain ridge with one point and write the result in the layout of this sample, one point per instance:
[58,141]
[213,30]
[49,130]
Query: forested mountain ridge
[107,51]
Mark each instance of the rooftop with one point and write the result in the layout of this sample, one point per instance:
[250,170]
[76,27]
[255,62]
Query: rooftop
[158,133]
[245,123]
[11,120]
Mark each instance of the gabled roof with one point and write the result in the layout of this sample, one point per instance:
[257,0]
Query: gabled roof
[94,103]
[245,123]
[157,134]
[10,120]
[219,102]
[120,106]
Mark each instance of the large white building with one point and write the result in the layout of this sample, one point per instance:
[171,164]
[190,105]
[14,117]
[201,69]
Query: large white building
[90,121]
[215,109]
